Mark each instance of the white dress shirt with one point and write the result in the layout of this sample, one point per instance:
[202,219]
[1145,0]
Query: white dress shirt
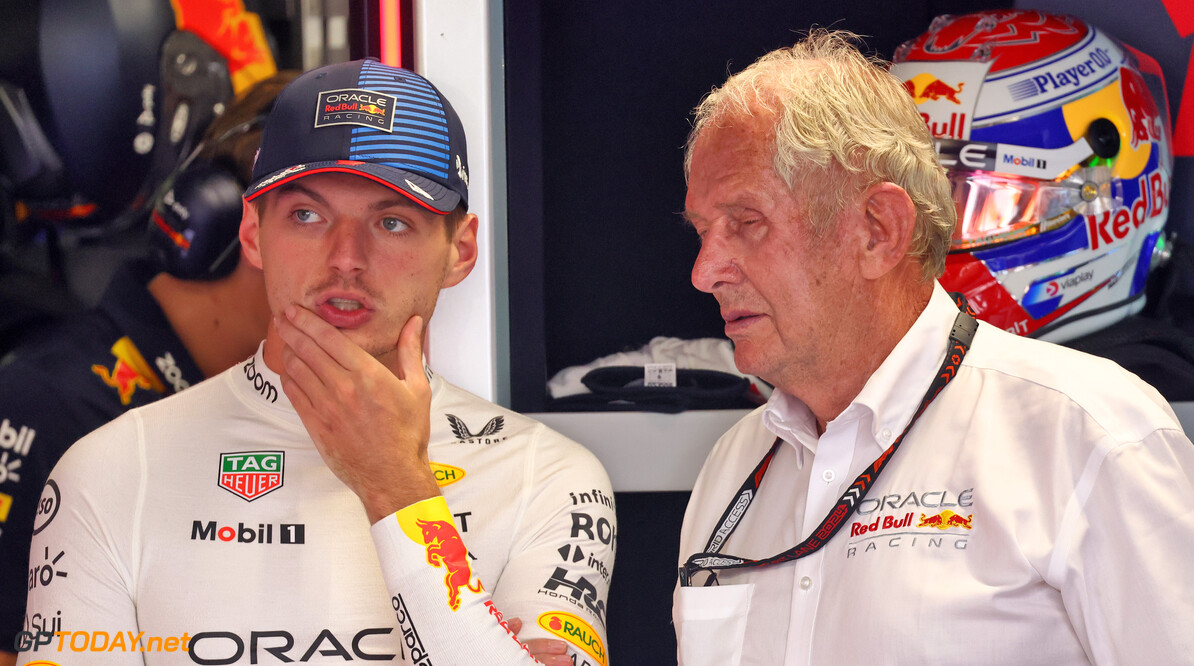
[1068,481]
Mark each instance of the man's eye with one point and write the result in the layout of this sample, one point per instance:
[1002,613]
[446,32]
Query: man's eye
[306,216]
[393,224]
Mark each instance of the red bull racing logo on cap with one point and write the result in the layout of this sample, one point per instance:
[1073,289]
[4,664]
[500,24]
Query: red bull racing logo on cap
[356,107]
[130,373]
[252,474]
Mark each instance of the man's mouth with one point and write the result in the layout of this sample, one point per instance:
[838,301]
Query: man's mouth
[345,304]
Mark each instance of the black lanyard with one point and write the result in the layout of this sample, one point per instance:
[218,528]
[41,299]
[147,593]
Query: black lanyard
[960,338]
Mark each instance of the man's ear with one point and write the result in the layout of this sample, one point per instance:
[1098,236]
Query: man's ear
[464,251]
[250,232]
[889,218]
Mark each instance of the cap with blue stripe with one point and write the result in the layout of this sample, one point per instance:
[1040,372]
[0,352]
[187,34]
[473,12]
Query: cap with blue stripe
[362,117]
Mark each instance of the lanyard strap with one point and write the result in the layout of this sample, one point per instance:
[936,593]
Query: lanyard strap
[960,338]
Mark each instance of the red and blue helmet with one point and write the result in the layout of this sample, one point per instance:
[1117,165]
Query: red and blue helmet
[1056,139]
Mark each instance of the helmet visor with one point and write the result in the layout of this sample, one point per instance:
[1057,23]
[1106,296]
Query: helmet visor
[996,208]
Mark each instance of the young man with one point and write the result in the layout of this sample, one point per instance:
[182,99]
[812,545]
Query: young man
[330,497]
[1035,512]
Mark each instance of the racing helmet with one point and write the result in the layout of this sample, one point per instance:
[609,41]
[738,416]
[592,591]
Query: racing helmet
[1056,140]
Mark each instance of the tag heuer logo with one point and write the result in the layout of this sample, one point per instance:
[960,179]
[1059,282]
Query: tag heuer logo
[251,474]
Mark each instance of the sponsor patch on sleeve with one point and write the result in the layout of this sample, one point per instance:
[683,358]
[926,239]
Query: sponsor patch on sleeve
[576,632]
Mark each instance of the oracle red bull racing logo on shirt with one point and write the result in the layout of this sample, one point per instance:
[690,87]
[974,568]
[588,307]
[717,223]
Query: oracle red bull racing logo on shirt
[251,474]
[913,520]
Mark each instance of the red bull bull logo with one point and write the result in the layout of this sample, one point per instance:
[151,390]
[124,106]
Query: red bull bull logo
[945,520]
[445,549]
[928,88]
[1141,106]
[130,373]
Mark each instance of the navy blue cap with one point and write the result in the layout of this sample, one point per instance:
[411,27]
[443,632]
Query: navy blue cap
[372,120]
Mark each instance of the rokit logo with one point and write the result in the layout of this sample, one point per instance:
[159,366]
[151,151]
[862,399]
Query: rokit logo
[288,533]
[602,530]
[486,436]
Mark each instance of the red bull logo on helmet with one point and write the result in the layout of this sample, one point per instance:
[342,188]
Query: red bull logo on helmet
[1141,106]
[932,89]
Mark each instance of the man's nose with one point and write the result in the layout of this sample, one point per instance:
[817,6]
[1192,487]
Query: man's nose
[348,251]
[716,263]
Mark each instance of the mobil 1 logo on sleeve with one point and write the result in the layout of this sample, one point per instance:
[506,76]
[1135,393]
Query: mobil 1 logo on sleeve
[251,474]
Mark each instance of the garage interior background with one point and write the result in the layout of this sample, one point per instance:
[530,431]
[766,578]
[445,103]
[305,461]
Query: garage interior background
[597,99]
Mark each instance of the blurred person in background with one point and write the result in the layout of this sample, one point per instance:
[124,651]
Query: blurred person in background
[191,310]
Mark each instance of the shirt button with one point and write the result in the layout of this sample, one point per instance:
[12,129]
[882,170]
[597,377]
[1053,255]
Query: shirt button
[806,583]
[828,475]
[885,434]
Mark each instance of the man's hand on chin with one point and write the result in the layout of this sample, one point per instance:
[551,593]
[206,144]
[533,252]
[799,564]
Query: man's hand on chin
[370,425]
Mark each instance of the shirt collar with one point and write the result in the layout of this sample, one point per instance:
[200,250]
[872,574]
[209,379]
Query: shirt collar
[263,387]
[891,394]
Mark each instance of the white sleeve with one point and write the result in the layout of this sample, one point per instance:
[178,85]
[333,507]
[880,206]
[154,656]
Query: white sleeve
[556,579]
[80,579]
[1122,560]
[437,600]
[561,562]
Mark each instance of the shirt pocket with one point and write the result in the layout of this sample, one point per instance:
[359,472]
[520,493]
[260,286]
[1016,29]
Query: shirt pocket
[711,624]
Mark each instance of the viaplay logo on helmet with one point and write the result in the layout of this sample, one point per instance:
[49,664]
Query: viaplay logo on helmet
[356,107]
[251,474]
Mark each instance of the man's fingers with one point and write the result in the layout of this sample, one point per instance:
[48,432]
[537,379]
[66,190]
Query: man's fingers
[410,349]
[317,341]
[300,374]
[549,651]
